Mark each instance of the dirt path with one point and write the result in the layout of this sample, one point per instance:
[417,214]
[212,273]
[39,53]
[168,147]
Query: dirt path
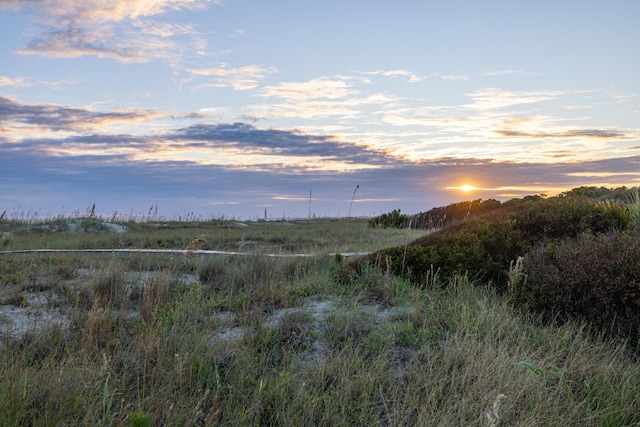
[126,253]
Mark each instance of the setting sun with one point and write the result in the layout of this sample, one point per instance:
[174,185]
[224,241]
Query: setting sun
[467,188]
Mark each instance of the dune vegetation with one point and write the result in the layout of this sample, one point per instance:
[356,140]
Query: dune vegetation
[482,313]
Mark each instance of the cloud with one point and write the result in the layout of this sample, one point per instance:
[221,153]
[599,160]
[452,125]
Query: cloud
[279,143]
[120,30]
[539,127]
[413,77]
[116,181]
[506,72]
[14,115]
[395,74]
[164,30]
[323,87]
[238,78]
[337,97]
[26,82]
[574,133]
[16,82]
[494,98]
[340,109]
[92,11]
[80,131]
[455,77]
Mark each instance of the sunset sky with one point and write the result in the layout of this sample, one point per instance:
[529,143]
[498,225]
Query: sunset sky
[232,107]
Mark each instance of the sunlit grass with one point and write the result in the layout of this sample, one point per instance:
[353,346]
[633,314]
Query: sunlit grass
[314,236]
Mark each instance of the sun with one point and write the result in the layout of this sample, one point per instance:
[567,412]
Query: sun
[466,188]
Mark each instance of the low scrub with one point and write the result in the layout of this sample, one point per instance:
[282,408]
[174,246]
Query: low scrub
[484,245]
[592,278]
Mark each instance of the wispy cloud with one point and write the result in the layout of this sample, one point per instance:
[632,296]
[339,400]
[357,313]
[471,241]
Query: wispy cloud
[120,30]
[502,125]
[506,72]
[17,115]
[340,109]
[16,82]
[238,78]
[399,73]
[495,98]
[323,87]
[338,97]
[165,30]
[456,77]
[412,77]
[546,127]
[573,133]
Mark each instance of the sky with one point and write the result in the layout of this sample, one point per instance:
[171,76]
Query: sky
[291,109]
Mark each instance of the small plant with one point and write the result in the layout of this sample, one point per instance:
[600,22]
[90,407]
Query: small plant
[616,212]
[141,419]
[110,285]
[547,378]
[493,414]
[195,245]
[634,206]
[393,219]
[5,239]
[338,258]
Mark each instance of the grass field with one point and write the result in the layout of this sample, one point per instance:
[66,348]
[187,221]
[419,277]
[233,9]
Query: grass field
[257,340]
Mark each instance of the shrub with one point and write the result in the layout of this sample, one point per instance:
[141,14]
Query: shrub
[634,206]
[393,219]
[616,212]
[484,245]
[593,278]
[445,215]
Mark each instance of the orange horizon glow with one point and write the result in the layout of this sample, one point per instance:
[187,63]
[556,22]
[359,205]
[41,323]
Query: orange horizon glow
[549,191]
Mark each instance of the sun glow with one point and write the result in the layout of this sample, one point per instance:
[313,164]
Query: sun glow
[466,188]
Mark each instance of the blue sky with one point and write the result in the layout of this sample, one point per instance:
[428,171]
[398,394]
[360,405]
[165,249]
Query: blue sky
[232,107]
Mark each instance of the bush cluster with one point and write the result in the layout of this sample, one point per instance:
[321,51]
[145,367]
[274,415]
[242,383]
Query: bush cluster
[393,219]
[590,277]
[484,245]
[579,256]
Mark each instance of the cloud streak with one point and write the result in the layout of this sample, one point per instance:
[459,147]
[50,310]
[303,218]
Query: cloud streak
[14,115]
[120,30]
[238,78]
[76,131]
[15,82]
[279,143]
[127,184]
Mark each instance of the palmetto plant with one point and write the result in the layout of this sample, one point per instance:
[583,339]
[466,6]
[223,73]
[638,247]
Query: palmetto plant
[634,206]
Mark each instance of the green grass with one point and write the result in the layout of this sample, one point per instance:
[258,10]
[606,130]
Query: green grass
[316,236]
[266,341]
